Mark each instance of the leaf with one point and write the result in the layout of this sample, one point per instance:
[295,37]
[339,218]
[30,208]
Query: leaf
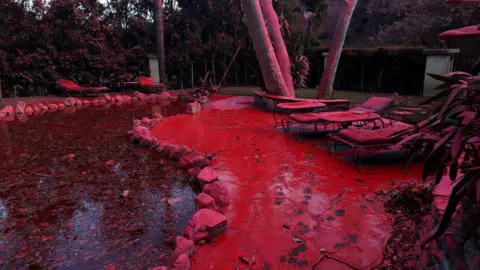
[453,201]
[412,153]
[438,96]
[467,117]
[442,142]
[453,171]
[452,95]
[439,173]
[444,78]
[457,144]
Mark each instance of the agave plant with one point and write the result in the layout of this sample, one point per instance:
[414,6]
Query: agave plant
[450,138]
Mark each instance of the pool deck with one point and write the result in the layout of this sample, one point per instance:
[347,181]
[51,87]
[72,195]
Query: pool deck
[292,206]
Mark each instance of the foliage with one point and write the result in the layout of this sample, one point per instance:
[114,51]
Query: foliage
[451,138]
[417,21]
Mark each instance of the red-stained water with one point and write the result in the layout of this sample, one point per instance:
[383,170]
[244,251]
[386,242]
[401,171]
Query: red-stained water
[293,206]
[76,193]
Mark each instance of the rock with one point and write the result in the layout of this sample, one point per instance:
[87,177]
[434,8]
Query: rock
[140,96]
[193,173]
[107,97]
[165,149]
[163,96]
[118,99]
[20,107]
[182,263]
[160,268]
[86,103]
[36,109]
[52,107]
[96,102]
[152,98]
[29,110]
[9,110]
[137,122]
[193,107]
[3,115]
[207,176]
[219,192]
[69,102]
[206,224]
[193,160]
[182,246]
[157,116]
[61,107]
[204,100]
[126,99]
[205,201]
[179,151]
[146,122]
[102,102]
[42,107]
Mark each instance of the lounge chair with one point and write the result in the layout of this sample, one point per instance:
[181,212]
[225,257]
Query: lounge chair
[70,87]
[367,112]
[149,84]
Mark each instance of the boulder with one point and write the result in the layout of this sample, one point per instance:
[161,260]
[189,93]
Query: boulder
[163,96]
[69,102]
[193,107]
[193,173]
[20,107]
[29,110]
[179,151]
[96,102]
[165,149]
[3,115]
[207,175]
[102,102]
[203,100]
[182,246]
[139,96]
[206,224]
[152,98]
[61,107]
[42,107]
[146,122]
[193,160]
[137,122]
[219,193]
[107,97]
[36,109]
[182,263]
[9,110]
[205,201]
[52,107]
[119,99]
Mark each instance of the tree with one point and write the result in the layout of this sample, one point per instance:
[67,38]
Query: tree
[263,48]
[160,40]
[278,43]
[335,51]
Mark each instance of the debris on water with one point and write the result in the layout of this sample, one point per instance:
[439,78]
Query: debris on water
[297,240]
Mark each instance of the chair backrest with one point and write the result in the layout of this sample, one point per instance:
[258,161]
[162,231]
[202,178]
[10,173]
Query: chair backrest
[378,104]
[68,84]
[145,81]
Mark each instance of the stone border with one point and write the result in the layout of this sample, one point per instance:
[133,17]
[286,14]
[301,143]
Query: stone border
[22,111]
[209,221]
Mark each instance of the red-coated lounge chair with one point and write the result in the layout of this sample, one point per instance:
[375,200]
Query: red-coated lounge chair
[71,87]
[149,84]
[362,114]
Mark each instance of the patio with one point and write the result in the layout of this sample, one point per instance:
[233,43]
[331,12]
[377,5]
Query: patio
[291,204]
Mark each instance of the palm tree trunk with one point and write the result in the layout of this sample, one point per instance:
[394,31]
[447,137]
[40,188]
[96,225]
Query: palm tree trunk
[279,45]
[160,40]
[263,48]
[328,76]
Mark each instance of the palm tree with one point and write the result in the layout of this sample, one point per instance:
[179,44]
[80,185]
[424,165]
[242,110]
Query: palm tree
[328,76]
[160,40]
[262,44]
